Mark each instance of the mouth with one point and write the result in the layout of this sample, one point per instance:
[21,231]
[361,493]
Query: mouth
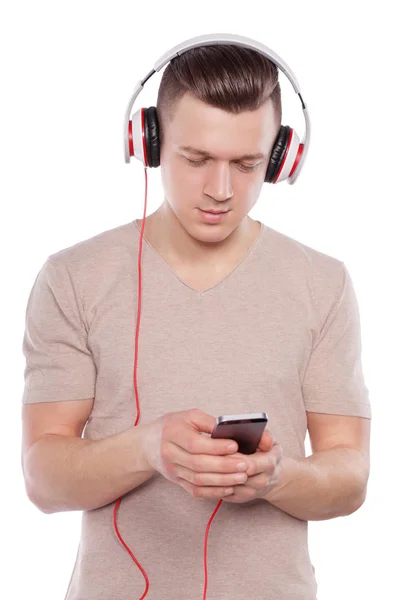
[211,216]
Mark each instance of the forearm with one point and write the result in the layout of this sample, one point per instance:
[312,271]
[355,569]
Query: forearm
[322,486]
[69,473]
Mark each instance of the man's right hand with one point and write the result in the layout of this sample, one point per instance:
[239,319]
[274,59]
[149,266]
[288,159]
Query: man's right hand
[174,445]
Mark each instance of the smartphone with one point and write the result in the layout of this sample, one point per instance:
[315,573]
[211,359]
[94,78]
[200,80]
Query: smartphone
[246,430]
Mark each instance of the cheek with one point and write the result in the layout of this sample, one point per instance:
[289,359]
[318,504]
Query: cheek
[255,185]
[180,182]
[246,192]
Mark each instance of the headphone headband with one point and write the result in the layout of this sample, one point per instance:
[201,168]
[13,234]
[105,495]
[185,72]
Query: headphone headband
[220,39]
[213,39]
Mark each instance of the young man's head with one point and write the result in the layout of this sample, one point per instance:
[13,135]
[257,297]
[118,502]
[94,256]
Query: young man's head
[225,101]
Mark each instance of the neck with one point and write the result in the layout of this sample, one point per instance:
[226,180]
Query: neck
[171,239]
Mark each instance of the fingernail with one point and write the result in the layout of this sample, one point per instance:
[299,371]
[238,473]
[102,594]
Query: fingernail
[241,466]
[228,491]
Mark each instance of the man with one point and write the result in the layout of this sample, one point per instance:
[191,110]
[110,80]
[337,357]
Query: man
[236,317]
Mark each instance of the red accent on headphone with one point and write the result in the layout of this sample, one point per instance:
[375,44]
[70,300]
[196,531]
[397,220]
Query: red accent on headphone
[285,156]
[144,141]
[296,162]
[130,137]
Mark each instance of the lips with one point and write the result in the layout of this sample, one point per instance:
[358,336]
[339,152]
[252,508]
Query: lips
[215,212]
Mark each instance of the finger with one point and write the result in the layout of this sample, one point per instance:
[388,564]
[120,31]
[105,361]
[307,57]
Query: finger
[260,462]
[266,441]
[259,481]
[209,479]
[200,420]
[203,463]
[190,438]
[241,494]
[276,452]
[195,443]
[204,492]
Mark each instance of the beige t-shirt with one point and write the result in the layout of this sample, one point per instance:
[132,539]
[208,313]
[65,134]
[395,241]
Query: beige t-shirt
[280,334]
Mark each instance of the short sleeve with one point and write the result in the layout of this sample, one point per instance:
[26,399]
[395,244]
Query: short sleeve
[59,364]
[334,382]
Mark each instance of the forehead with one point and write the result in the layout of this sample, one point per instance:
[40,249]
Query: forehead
[201,129]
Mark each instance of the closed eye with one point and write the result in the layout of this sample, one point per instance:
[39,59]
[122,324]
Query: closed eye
[199,163]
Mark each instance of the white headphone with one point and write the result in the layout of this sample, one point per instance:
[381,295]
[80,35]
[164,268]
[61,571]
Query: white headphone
[141,133]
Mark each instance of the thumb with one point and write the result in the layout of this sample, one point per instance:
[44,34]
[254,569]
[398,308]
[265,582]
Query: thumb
[200,420]
[266,441]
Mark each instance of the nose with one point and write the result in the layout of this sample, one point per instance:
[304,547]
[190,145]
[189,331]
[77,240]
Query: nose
[219,185]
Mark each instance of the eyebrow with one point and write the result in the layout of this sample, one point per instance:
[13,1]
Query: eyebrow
[204,153]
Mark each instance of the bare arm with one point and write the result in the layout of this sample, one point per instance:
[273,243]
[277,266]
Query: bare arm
[325,485]
[64,472]
[332,482]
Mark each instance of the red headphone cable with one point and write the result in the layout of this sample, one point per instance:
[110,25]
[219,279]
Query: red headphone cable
[118,502]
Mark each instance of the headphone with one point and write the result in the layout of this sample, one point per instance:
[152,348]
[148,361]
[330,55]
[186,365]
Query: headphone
[141,133]
[141,140]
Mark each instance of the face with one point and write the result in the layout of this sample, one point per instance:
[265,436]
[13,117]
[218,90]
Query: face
[221,178]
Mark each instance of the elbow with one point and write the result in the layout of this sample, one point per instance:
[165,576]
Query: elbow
[31,486]
[46,507]
[39,505]
[45,510]
[34,497]
[357,502]
[360,493]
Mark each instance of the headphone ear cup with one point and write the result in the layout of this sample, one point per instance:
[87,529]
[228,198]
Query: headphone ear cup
[143,137]
[285,156]
[277,154]
[152,136]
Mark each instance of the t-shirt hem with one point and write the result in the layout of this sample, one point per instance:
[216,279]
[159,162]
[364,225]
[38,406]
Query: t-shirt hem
[76,393]
[348,409]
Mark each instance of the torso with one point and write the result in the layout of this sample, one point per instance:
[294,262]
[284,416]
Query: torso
[203,281]
[205,277]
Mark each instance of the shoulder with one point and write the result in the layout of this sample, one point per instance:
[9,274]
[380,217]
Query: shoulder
[99,247]
[306,271]
[93,264]
[290,253]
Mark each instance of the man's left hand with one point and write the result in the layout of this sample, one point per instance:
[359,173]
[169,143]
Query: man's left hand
[262,473]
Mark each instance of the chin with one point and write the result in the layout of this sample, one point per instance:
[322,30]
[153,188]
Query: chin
[200,230]
[210,233]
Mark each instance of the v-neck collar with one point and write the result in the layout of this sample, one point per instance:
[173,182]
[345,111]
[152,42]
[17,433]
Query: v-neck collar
[219,283]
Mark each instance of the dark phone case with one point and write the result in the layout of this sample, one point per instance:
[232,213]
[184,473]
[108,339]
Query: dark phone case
[246,432]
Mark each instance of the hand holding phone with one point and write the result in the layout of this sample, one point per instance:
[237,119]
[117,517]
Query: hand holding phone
[245,429]
[174,444]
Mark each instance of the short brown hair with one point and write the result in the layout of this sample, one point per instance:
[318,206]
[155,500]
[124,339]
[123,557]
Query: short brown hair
[233,78]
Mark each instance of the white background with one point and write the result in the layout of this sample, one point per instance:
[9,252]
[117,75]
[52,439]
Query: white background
[68,71]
